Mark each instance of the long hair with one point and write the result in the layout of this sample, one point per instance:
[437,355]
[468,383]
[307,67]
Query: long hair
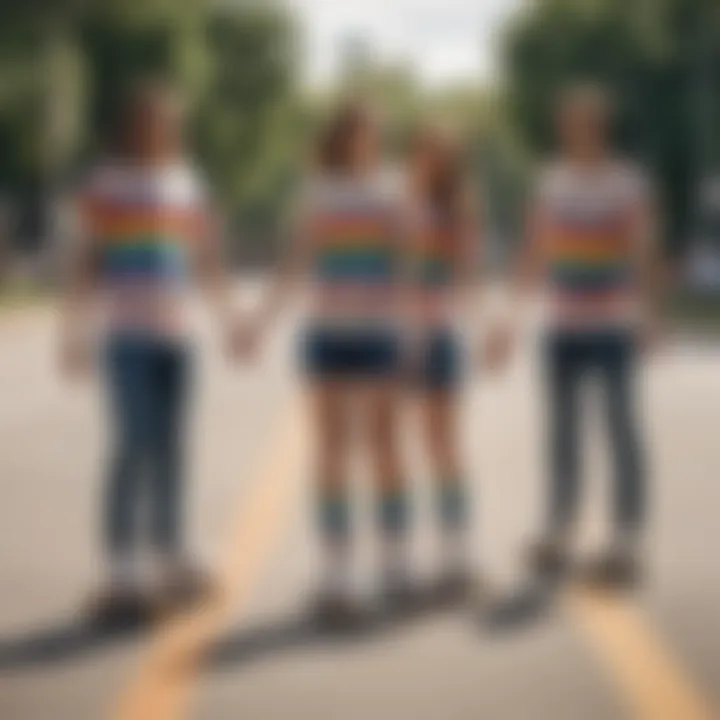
[143,94]
[445,190]
[334,152]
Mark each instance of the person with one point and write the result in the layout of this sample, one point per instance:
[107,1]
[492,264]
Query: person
[591,239]
[443,252]
[348,244]
[146,230]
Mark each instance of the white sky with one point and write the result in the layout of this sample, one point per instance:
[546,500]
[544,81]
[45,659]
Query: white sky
[443,39]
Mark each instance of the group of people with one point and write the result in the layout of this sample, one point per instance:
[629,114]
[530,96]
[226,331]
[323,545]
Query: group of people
[386,266]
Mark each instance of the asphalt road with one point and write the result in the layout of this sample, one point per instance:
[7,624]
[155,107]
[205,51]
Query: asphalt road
[654,655]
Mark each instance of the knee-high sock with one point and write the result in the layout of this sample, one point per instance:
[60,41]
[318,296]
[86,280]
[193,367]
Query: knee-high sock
[333,515]
[393,511]
[393,519]
[452,503]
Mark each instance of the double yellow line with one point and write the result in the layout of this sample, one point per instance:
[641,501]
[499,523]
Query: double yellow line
[653,686]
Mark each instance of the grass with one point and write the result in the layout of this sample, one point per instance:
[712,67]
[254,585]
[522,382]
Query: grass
[685,310]
[695,311]
[18,294]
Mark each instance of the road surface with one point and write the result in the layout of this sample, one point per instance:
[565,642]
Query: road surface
[654,656]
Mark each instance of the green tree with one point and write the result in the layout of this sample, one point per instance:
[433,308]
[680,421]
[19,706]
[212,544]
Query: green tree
[249,125]
[653,54]
[65,66]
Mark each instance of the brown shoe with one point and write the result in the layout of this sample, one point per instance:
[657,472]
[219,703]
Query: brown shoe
[616,569]
[185,585]
[119,607]
[456,587]
[337,613]
[549,559]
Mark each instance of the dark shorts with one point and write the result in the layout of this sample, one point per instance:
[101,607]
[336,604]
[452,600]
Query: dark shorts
[437,364]
[328,353]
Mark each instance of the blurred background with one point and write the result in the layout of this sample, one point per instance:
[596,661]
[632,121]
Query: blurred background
[258,76]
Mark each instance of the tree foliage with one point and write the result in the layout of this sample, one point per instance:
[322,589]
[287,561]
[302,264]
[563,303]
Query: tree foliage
[66,65]
[659,58]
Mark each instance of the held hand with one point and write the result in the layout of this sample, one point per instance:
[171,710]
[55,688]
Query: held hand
[650,337]
[75,360]
[497,349]
[244,341]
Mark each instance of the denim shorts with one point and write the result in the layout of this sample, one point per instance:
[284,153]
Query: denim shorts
[353,354]
[437,364]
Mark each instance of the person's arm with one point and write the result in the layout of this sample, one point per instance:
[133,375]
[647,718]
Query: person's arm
[528,271]
[470,263]
[525,275]
[77,302]
[651,273]
[407,231]
[215,280]
[285,284]
[288,280]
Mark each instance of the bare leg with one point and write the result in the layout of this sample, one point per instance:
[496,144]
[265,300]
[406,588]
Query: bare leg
[441,440]
[382,407]
[329,414]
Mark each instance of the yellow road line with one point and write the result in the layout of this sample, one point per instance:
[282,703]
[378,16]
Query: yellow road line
[653,685]
[163,687]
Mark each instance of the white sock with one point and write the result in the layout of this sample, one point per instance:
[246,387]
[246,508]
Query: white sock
[124,570]
[454,550]
[337,576]
[162,566]
[627,541]
[560,538]
[394,557]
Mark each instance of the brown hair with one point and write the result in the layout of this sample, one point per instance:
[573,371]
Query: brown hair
[334,147]
[445,192]
[143,93]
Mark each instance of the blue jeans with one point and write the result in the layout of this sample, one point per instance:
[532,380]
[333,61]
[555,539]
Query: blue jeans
[611,357]
[148,382]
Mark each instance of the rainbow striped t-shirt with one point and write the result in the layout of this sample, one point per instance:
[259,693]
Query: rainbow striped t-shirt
[145,225]
[435,253]
[586,229]
[355,231]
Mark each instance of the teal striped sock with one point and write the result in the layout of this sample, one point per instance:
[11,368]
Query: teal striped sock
[393,511]
[334,515]
[452,505]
